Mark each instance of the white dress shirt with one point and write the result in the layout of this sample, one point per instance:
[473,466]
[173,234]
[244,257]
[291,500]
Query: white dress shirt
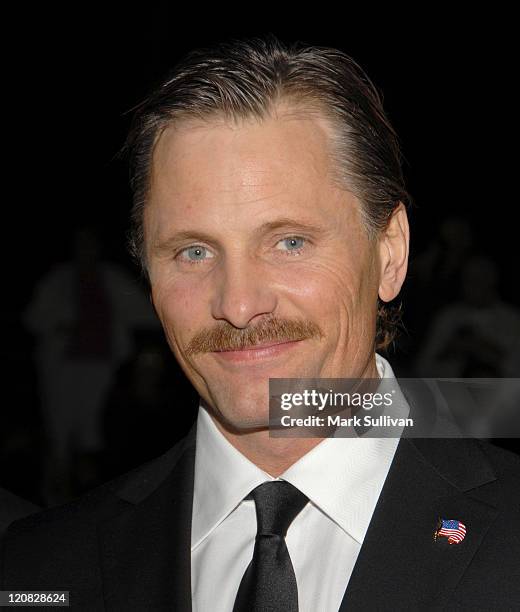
[342,477]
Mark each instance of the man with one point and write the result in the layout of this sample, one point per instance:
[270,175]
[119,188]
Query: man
[270,218]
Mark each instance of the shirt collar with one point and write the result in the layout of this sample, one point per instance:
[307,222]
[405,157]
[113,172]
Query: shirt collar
[217,493]
[343,477]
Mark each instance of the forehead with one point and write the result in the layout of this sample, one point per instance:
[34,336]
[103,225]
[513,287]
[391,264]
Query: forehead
[203,170]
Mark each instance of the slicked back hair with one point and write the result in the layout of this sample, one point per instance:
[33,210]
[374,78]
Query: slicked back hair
[243,79]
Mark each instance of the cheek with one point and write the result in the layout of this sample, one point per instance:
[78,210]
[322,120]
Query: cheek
[179,307]
[326,287]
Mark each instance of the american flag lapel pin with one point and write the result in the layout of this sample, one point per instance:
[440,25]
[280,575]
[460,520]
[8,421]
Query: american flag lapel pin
[452,529]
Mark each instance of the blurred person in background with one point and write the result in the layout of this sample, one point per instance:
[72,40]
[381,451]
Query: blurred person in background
[83,314]
[475,335]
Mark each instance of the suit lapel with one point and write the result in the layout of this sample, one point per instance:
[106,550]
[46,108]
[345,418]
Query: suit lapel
[400,565]
[145,550]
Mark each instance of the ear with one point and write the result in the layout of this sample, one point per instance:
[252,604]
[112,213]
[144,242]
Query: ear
[393,254]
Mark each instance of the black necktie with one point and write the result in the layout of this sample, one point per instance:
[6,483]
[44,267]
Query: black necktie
[269,583]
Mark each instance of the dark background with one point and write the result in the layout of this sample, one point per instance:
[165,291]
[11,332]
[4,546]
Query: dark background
[70,82]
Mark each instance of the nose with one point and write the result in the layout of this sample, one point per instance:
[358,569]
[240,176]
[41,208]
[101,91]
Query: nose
[242,292]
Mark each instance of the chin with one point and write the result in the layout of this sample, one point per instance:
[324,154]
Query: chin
[241,412]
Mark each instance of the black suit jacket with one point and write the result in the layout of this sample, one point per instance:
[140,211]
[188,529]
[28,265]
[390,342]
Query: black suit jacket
[13,507]
[126,545]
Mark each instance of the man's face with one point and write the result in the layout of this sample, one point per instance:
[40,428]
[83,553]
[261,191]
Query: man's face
[249,242]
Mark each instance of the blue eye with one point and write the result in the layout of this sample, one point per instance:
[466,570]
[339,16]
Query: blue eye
[195,254]
[292,244]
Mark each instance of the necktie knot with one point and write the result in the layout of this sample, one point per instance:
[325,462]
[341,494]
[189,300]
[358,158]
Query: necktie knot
[277,504]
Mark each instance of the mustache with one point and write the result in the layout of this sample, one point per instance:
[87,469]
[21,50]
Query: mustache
[224,337]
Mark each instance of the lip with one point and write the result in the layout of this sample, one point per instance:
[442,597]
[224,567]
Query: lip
[256,353]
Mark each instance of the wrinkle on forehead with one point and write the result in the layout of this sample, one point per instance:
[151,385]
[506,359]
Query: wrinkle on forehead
[225,156]
[217,177]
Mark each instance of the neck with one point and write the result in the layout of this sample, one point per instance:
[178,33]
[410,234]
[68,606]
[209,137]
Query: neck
[275,455]
[272,455]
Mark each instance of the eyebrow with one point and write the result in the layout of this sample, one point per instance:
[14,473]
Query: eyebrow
[287,222]
[166,246]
